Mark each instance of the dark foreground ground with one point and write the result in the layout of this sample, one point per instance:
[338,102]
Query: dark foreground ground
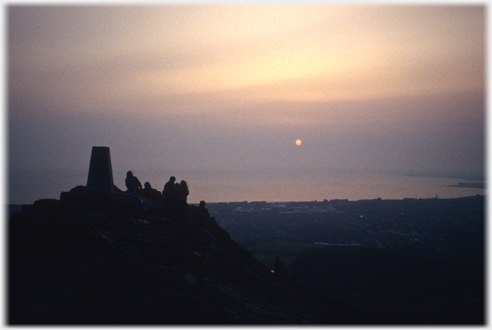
[103,259]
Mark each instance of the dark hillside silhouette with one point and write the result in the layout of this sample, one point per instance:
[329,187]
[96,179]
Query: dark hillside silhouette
[98,258]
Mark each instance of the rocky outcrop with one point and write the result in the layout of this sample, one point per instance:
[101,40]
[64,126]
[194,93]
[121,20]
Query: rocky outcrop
[113,258]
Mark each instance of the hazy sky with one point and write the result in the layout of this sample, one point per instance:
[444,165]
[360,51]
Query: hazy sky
[385,88]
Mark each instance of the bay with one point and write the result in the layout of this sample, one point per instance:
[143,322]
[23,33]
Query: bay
[25,187]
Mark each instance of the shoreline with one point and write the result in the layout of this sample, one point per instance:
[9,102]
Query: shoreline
[17,208]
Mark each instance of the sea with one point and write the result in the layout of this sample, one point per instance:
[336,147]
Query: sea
[25,187]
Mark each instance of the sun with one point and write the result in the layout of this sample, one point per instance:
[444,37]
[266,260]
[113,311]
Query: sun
[298,142]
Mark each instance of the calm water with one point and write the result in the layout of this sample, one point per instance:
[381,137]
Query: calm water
[26,187]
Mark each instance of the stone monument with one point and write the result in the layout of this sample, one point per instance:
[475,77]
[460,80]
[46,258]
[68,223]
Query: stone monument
[100,171]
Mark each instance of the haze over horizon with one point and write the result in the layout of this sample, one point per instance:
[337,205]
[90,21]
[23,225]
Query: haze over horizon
[202,88]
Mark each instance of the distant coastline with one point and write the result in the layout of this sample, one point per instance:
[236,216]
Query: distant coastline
[474,184]
[17,208]
[25,187]
[469,177]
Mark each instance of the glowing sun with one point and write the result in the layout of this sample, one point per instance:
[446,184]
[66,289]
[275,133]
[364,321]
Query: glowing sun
[298,142]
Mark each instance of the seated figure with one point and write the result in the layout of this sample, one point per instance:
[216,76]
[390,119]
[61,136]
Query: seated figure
[150,192]
[132,183]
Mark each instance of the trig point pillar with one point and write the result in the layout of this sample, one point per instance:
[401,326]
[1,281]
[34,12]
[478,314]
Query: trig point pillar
[100,171]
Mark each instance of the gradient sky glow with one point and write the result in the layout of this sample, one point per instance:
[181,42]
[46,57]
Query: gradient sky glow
[372,88]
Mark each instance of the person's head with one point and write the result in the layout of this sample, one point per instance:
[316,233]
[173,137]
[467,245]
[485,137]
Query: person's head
[172,179]
[202,204]
[129,174]
[183,183]
[147,185]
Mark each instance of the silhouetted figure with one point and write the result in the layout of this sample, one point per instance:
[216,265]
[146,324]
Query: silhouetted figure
[176,189]
[199,216]
[167,192]
[183,190]
[150,192]
[172,195]
[204,214]
[278,267]
[178,200]
[132,183]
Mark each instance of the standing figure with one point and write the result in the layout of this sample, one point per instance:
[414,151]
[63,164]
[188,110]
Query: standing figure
[183,190]
[177,192]
[168,190]
[132,183]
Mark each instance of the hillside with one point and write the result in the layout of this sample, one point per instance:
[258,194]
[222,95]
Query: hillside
[101,258]
[112,258]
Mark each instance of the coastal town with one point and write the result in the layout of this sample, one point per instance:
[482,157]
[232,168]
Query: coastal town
[448,228]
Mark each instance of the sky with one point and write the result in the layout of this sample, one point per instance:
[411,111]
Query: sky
[388,88]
